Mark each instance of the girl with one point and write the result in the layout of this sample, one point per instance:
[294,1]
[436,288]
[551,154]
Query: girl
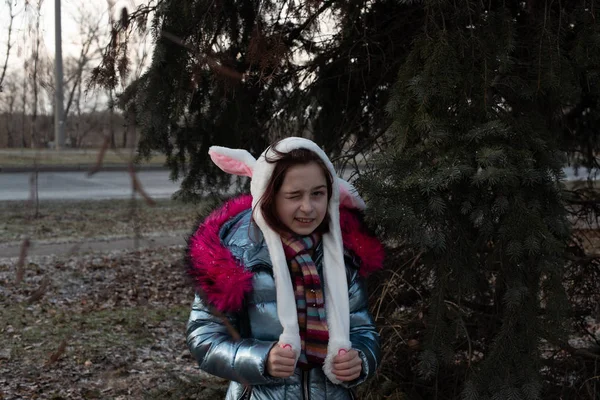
[282,309]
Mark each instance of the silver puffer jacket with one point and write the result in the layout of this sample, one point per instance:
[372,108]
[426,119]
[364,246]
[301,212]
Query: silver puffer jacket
[254,315]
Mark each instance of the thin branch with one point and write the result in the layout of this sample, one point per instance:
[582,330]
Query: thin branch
[296,32]
[579,352]
[8,44]
[83,60]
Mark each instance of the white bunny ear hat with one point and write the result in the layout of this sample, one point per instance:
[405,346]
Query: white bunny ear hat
[240,162]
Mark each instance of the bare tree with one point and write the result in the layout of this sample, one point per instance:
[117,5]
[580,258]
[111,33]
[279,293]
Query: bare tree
[9,41]
[24,92]
[85,123]
[35,58]
[8,107]
[46,80]
[139,61]
[126,58]
[89,30]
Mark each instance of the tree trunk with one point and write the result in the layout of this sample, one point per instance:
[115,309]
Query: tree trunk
[9,138]
[111,124]
[24,114]
[36,56]
[125,134]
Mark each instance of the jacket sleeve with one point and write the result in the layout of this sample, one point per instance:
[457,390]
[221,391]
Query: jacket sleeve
[363,333]
[219,354]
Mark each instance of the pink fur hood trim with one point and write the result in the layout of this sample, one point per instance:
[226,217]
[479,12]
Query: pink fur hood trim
[224,283]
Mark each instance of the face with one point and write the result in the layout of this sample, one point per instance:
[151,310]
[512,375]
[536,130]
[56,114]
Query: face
[301,202]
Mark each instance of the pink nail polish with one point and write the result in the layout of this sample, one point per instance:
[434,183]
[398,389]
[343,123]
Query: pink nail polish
[342,352]
[286,346]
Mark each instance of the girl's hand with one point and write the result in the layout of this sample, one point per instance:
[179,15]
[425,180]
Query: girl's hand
[347,366]
[281,362]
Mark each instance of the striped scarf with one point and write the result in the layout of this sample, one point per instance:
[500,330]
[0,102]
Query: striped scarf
[310,303]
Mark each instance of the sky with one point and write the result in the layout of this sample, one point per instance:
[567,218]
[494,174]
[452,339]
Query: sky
[23,33]
[22,36]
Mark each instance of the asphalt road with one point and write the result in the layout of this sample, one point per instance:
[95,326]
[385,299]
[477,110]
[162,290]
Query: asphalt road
[112,184]
[78,186]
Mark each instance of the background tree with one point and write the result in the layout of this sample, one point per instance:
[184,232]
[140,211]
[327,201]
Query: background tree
[9,43]
[486,103]
[89,22]
[33,67]
[242,73]
[8,108]
[472,184]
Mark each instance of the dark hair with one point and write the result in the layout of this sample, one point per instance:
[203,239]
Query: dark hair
[283,162]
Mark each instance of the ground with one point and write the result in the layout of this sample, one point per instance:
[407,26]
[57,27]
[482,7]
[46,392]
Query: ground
[69,221]
[107,325]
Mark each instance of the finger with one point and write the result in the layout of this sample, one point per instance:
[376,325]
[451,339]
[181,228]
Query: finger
[347,364]
[340,358]
[348,372]
[276,366]
[284,371]
[281,374]
[288,353]
[286,349]
[347,369]
[348,375]
[348,378]
[284,361]
[284,352]
[345,356]
[348,357]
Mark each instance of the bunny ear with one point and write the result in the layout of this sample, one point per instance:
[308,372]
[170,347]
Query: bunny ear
[349,196]
[232,161]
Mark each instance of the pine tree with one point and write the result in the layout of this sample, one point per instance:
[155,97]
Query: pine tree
[472,182]
[242,73]
[486,101]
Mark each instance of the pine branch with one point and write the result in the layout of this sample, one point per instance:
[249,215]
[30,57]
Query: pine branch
[296,32]
[585,353]
[105,73]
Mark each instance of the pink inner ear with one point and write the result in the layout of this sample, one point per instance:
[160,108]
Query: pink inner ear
[230,165]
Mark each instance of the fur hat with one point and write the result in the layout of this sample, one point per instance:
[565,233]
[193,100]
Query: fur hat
[240,162]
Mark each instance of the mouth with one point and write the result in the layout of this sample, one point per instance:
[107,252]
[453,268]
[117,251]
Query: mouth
[305,220]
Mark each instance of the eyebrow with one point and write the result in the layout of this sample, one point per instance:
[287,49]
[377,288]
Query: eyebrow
[300,191]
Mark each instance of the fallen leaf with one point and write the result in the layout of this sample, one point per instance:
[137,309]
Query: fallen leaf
[59,352]
[39,293]
[21,263]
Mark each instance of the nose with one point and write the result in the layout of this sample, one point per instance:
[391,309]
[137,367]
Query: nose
[306,206]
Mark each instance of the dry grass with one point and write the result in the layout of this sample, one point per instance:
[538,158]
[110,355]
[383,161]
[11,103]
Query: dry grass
[108,326]
[76,220]
[43,157]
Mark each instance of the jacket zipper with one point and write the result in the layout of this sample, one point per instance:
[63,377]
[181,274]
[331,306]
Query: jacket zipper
[305,385]
[246,393]
[352,395]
